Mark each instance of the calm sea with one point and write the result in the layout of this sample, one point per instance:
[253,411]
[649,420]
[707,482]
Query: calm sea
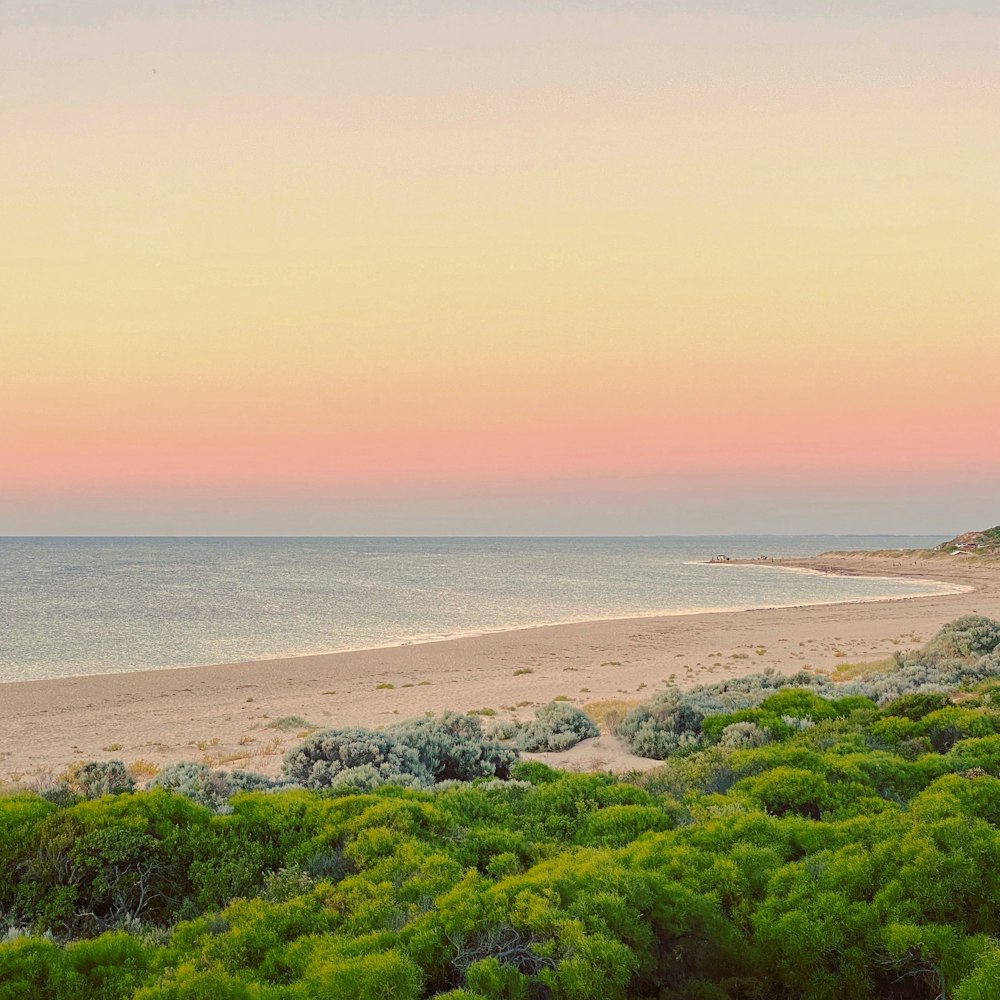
[108,605]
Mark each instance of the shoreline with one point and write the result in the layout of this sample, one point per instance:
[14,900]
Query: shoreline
[947,589]
[228,714]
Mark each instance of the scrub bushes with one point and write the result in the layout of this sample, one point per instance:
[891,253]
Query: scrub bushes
[833,861]
[417,754]
[354,758]
[453,747]
[963,654]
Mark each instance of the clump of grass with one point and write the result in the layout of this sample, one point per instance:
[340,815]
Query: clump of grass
[849,671]
[286,723]
[607,713]
[522,671]
[739,656]
[213,760]
[760,650]
[385,686]
[142,770]
[561,697]
[112,747]
[246,739]
[481,711]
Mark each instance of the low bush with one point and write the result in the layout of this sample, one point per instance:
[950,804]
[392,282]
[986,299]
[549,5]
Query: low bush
[96,778]
[557,726]
[454,747]
[417,753]
[354,758]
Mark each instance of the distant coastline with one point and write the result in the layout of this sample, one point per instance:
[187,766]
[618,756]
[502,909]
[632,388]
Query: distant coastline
[92,606]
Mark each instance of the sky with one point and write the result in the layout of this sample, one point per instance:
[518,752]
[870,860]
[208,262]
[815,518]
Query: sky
[499,267]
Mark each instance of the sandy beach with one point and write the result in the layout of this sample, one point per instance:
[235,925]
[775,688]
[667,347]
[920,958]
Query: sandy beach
[245,715]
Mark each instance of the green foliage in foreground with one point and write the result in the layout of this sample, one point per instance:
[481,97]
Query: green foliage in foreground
[856,858]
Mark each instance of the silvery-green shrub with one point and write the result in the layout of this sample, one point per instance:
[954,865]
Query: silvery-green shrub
[557,726]
[744,736]
[322,757]
[504,729]
[103,777]
[198,782]
[454,746]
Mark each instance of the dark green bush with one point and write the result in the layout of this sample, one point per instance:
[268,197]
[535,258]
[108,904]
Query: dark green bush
[915,706]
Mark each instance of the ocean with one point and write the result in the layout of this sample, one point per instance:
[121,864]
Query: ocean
[71,606]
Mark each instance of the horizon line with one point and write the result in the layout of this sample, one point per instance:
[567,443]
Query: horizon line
[740,534]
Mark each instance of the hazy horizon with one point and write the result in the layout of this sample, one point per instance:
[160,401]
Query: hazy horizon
[762,534]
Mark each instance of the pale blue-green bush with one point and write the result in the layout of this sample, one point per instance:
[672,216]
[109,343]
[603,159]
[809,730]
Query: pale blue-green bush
[211,788]
[557,726]
[417,753]
[103,777]
[454,747]
[198,782]
[505,729]
[667,723]
[744,736]
[353,758]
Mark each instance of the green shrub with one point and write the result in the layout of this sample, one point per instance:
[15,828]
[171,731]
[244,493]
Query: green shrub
[915,706]
[616,826]
[389,975]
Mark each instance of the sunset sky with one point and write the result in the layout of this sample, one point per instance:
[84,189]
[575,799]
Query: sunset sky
[499,267]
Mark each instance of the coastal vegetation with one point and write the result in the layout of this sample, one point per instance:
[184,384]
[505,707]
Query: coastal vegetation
[804,838]
[980,543]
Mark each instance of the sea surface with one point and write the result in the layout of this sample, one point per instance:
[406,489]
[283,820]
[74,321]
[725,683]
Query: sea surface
[72,606]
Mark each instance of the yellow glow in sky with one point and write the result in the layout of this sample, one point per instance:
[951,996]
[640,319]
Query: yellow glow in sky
[492,251]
